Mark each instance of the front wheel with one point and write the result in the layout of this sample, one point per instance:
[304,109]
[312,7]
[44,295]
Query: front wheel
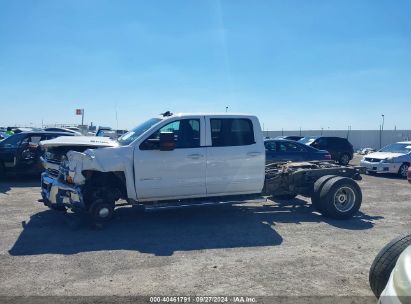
[340,198]
[101,211]
[403,171]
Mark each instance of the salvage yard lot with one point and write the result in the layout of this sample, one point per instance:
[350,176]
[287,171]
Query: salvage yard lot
[272,248]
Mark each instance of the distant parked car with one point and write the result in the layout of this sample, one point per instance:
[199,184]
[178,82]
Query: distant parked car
[110,133]
[74,129]
[20,153]
[67,130]
[394,158]
[3,135]
[341,149]
[366,151]
[290,137]
[280,150]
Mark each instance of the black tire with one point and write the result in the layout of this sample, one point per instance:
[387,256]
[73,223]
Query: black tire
[344,159]
[285,196]
[385,261]
[403,171]
[318,185]
[101,211]
[340,198]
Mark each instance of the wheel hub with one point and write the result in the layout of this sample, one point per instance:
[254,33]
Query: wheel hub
[404,171]
[344,199]
[103,212]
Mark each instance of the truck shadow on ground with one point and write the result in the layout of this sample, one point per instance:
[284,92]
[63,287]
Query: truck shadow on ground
[386,176]
[286,213]
[164,232]
[13,181]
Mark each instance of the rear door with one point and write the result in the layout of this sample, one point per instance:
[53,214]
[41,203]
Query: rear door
[235,156]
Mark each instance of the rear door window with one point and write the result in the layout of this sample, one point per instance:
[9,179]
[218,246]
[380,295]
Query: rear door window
[270,146]
[290,147]
[231,132]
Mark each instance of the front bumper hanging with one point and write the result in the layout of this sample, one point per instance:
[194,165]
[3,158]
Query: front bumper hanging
[57,193]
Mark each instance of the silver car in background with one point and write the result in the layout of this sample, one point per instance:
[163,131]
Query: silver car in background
[394,158]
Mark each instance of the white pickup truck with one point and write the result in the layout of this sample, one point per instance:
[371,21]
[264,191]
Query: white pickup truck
[193,159]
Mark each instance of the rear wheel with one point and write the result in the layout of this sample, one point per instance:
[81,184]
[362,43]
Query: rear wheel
[340,198]
[318,186]
[403,171]
[344,159]
[385,261]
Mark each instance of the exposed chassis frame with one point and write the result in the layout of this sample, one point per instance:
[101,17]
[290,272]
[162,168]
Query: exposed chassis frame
[299,177]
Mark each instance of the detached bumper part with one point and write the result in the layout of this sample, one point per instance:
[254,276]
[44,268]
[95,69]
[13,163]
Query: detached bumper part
[57,193]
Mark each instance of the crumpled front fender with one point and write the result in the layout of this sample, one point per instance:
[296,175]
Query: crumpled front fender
[117,159]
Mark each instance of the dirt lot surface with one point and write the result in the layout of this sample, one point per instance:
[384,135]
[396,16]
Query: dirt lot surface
[272,248]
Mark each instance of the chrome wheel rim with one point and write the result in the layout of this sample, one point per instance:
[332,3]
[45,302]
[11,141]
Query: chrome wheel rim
[344,199]
[103,212]
[404,170]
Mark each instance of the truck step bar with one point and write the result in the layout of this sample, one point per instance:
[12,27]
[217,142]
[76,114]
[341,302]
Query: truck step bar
[197,203]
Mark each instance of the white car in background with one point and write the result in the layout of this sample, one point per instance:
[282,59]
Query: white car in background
[394,158]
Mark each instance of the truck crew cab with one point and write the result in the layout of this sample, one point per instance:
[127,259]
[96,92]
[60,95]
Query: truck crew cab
[190,159]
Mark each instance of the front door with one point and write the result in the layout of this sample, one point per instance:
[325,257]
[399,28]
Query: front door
[175,174]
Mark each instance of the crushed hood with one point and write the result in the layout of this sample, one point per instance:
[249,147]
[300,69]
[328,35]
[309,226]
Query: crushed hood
[92,141]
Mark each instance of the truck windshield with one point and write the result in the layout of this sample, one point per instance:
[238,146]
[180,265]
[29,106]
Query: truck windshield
[130,136]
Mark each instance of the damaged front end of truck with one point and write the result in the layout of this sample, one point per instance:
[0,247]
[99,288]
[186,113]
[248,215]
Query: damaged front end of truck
[75,176]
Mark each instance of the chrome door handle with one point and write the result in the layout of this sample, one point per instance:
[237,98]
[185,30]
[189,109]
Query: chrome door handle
[195,156]
[253,153]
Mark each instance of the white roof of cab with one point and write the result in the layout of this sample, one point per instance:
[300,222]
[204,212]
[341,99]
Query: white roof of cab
[405,142]
[94,141]
[222,114]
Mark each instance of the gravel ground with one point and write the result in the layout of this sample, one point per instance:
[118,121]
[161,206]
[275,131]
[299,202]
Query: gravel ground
[272,248]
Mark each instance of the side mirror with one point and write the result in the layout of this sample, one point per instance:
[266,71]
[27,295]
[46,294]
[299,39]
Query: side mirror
[167,142]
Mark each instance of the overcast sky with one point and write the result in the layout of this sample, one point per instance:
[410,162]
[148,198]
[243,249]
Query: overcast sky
[310,64]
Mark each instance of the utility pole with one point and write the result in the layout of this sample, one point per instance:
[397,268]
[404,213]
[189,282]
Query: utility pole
[381,130]
[348,131]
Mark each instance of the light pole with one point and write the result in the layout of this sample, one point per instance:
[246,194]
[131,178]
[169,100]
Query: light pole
[381,129]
